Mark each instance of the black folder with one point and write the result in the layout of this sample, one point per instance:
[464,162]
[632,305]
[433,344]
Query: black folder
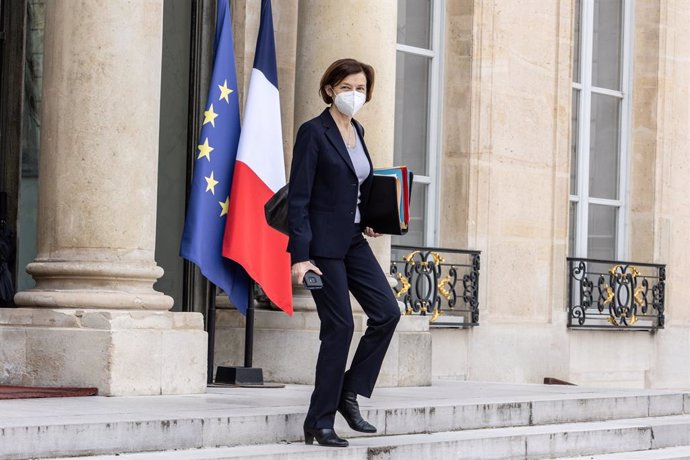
[382,210]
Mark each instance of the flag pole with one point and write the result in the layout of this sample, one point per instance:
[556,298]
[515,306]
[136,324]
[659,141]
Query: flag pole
[247,375]
[249,327]
[211,329]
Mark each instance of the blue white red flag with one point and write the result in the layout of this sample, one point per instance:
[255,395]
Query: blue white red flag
[259,173]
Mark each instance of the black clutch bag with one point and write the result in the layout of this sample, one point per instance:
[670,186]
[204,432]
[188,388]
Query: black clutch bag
[275,210]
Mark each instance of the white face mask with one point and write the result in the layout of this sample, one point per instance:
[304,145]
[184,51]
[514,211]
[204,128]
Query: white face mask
[349,102]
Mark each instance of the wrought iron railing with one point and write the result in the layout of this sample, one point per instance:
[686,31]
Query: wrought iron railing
[615,294]
[440,282]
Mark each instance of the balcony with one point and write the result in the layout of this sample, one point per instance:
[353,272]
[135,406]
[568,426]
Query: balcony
[616,295]
[440,282]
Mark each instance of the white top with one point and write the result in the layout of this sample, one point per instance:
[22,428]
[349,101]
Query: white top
[362,168]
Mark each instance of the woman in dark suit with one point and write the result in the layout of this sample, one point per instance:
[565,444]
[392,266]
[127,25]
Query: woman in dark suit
[330,180]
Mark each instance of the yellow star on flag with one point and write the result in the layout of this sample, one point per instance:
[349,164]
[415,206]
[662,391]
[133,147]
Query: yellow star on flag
[210,116]
[205,150]
[224,206]
[211,184]
[224,91]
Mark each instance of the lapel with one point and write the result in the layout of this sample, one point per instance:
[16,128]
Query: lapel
[336,139]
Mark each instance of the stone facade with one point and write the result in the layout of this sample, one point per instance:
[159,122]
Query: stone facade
[505,180]
[510,170]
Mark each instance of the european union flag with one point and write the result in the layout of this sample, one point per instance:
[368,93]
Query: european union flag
[202,239]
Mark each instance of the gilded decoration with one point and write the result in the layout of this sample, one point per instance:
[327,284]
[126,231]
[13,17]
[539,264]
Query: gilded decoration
[624,295]
[428,284]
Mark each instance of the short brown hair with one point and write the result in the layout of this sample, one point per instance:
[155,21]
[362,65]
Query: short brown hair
[341,69]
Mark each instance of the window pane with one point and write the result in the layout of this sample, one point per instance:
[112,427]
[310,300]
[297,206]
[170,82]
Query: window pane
[572,231]
[414,23]
[576,41]
[601,240]
[603,144]
[31,136]
[574,137]
[415,234]
[411,109]
[606,50]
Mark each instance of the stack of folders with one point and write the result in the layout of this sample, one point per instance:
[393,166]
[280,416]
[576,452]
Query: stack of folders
[388,207]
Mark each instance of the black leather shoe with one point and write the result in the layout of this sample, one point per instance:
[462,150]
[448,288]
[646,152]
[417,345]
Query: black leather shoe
[324,436]
[349,409]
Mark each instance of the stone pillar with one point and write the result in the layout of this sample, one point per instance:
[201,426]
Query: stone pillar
[670,362]
[366,31]
[95,267]
[99,158]
[506,143]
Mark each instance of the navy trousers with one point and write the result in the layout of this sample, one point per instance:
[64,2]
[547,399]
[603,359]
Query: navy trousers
[358,272]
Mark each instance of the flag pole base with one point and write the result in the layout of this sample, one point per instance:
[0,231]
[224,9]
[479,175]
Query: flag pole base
[239,375]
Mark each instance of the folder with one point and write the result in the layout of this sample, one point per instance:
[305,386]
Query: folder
[387,209]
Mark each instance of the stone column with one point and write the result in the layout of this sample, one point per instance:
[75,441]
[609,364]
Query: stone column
[366,31]
[95,265]
[99,158]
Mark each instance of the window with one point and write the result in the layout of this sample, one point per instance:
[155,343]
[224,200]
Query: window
[601,116]
[417,109]
[27,214]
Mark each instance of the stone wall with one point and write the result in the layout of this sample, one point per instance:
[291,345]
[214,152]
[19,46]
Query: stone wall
[507,101]
[505,181]
[671,361]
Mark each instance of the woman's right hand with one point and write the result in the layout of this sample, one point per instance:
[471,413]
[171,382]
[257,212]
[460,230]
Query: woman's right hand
[300,268]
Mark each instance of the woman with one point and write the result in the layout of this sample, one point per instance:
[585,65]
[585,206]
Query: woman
[330,179]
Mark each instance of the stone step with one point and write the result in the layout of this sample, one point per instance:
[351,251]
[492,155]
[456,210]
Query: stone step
[242,417]
[655,437]
[667,453]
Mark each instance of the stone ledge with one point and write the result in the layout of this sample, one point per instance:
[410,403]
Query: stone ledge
[104,299]
[101,319]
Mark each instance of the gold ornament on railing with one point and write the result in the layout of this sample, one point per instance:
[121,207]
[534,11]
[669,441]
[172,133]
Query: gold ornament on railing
[609,295]
[639,298]
[620,274]
[631,321]
[405,285]
[438,258]
[444,292]
[408,258]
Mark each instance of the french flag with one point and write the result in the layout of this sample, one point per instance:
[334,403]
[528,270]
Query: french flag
[259,173]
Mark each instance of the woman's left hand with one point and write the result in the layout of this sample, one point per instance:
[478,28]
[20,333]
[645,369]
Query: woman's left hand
[368,231]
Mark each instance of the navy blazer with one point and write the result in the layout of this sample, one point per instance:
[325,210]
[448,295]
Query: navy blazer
[322,196]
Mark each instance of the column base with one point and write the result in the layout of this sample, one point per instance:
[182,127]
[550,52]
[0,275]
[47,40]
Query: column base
[94,284]
[121,352]
[286,347]
[90,299]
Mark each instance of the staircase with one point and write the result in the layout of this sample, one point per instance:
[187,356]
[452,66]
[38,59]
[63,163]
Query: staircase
[449,420]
